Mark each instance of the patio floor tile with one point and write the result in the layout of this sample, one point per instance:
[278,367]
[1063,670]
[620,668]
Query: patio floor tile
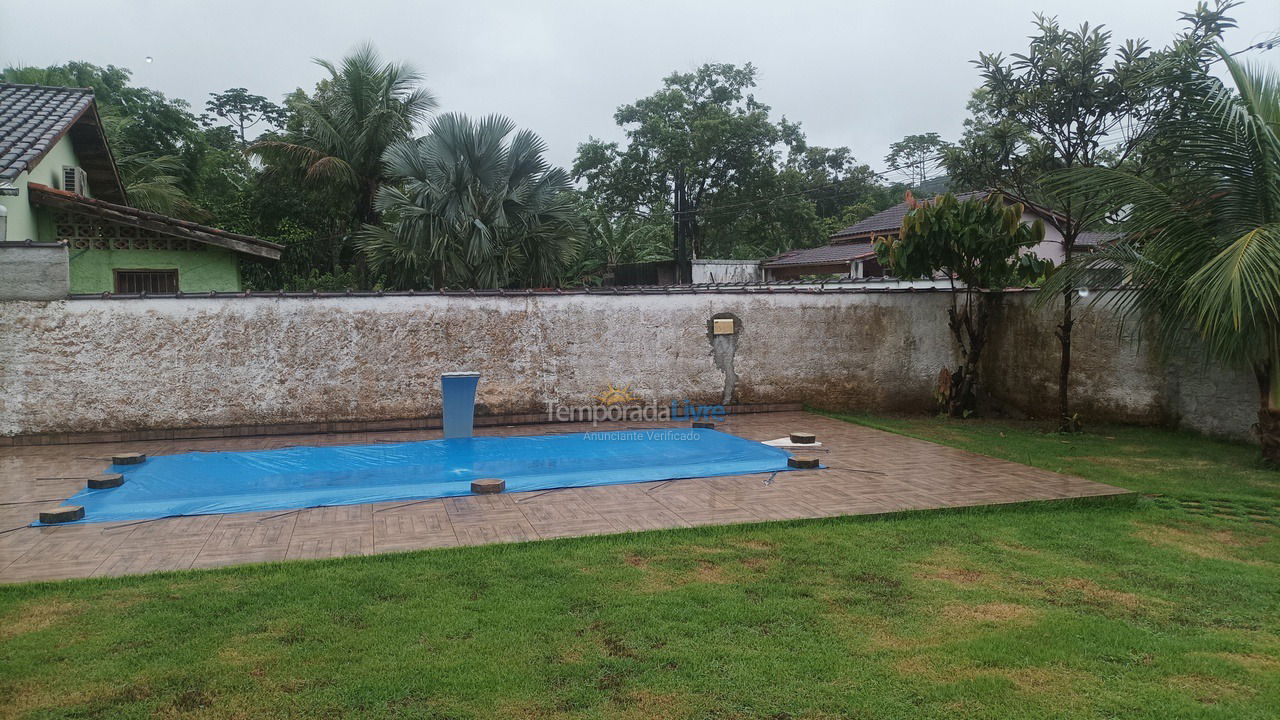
[867,471]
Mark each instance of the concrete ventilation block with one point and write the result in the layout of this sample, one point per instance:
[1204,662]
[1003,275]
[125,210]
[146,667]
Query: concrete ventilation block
[803,438]
[69,513]
[106,481]
[132,458]
[705,425]
[488,486]
[801,461]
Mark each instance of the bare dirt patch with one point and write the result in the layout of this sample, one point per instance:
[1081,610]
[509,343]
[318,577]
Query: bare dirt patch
[987,612]
[37,615]
[952,567]
[1209,544]
[1252,661]
[1208,690]
[689,565]
[1094,594]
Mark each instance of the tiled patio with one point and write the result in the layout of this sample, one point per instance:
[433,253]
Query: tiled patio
[869,472]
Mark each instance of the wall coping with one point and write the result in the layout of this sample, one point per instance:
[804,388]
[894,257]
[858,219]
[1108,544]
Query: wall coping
[842,288]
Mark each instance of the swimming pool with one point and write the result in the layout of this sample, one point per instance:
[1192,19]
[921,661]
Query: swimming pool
[204,483]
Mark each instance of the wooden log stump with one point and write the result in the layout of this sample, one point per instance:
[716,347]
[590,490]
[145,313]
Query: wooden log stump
[69,513]
[132,458]
[803,438]
[106,481]
[487,486]
[802,461]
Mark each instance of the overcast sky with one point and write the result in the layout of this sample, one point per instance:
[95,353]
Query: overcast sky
[861,74]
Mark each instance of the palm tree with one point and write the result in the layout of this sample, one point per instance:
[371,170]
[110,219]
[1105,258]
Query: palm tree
[470,208]
[1202,236]
[337,138]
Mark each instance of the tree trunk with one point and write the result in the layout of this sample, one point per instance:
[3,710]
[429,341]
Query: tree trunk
[969,328]
[1269,411]
[1066,421]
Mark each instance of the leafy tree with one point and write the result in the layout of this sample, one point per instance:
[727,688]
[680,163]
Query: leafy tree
[609,240]
[1202,237]
[836,181]
[1073,101]
[244,110]
[336,138]
[473,206]
[703,136]
[918,156]
[979,245]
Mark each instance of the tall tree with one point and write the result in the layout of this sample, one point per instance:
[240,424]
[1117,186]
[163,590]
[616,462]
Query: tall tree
[705,143]
[918,157]
[244,110]
[1072,101]
[473,205]
[979,245]
[1201,249]
[337,136]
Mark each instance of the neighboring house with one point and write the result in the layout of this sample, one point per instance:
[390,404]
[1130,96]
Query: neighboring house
[851,251]
[719,272]
[59,187]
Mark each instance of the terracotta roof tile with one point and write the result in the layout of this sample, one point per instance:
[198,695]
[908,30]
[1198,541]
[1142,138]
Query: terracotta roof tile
[890,219]
[825,255]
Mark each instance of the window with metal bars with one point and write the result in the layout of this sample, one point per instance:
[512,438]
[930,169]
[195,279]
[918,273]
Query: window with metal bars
[131,282]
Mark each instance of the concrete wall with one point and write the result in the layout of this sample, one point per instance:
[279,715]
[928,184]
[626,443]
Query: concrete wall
[1116,374]
[167,363]
[116,365]
[33,272]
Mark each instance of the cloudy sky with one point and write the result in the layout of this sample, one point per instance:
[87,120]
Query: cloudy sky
[861,74]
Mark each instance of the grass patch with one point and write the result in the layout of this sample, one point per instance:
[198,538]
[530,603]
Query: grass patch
[1166,607]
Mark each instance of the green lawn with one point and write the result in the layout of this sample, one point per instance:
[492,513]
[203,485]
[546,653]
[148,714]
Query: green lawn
[1169,607]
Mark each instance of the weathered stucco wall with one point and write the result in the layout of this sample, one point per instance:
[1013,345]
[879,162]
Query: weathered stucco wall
[33,272]
[118,365]
[112,365]
[1116,375]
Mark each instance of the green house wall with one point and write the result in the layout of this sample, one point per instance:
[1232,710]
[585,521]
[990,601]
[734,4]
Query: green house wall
[24,221]
[91,271]
[198,270]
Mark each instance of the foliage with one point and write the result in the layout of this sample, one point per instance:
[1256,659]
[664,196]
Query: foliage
[336,138]
[919,157]
[753,185]
[981,244]
[1073,100]
[609,240]
[1202,244]
[473,206]
[244,110]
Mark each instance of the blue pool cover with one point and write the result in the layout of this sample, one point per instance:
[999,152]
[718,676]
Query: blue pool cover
[203,483]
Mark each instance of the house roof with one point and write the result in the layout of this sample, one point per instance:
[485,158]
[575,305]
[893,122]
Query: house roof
[33,118]
[889,220]
[1096,237]
[825,255]
[124,215]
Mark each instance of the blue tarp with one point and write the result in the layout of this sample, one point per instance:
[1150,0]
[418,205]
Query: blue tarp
[203,483]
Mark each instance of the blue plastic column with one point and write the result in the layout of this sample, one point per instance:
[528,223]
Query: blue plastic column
[459,392]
